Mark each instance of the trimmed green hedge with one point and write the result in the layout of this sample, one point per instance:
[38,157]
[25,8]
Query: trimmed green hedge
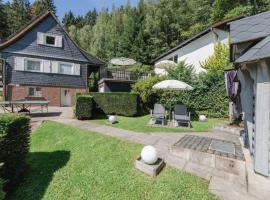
[2,194]
[14,145]
[120,103]
[84,107]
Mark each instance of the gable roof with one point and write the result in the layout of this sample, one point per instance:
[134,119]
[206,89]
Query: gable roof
[250,28]
[222,25]
[34,22]
[259,51]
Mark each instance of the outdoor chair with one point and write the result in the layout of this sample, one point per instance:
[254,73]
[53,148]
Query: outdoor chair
[159,114]
[180,115]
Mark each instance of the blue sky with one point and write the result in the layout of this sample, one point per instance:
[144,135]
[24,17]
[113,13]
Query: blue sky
[80,7]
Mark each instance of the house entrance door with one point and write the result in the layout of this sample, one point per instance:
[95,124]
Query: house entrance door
[65,97]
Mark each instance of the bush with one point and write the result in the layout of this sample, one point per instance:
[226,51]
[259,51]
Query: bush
[120,103]
[182,72]
[84,107]
[14,145]
[147,95]
[2,194]
[208,96]
[220,60]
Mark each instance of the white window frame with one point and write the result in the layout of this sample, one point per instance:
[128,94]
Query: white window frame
[49,35]
[36,93]
[34,60]
[66,63]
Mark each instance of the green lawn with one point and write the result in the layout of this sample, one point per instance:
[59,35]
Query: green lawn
[69,163]
[140,124]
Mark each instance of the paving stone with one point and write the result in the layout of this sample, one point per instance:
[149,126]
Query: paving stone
[227,190]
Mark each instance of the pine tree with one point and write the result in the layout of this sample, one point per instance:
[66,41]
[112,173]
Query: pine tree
[40,6]
[37,8]
[3,24]
[18,14]
[49,5]
[91,17]
[69,19]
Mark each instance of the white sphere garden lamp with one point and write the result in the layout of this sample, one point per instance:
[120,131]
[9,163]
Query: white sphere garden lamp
[149,155]
[112,119]
[202,118]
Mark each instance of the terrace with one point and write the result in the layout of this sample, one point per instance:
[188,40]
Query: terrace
[122,74]
[119,80]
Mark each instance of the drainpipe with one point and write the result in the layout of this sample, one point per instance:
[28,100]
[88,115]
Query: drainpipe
[215,33]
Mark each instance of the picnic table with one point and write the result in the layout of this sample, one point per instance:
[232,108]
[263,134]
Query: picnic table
[23,105]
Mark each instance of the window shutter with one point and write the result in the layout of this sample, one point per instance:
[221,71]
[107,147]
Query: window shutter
[19,64]
[76,69]
[55,67]
[46,66]
[59,41]
[40,38]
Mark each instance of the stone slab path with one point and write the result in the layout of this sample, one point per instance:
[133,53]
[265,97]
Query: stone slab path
[227,186]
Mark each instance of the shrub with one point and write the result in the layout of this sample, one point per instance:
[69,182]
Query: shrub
[120,103]
[182,72]
[84,107]
[147,95]
[208,96]
[2,194]
[14,145]
[220,59]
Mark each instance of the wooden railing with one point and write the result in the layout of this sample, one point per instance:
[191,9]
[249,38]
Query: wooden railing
[119,74]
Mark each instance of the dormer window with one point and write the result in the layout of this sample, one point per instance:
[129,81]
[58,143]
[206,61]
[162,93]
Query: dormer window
[50,40]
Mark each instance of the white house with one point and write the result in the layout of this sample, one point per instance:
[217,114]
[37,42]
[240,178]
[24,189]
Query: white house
[198,48]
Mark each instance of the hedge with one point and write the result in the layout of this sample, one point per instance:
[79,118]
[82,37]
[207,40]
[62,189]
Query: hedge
[84,107]
[120,103]
[2,194]
[14,145]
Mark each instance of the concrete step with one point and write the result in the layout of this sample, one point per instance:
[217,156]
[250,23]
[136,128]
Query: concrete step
[229,165]
[228,129]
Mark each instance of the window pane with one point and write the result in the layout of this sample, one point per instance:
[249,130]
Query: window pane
[50,40]
[65,68]
[31,92]
[34,92]
[33,65]
[175,58]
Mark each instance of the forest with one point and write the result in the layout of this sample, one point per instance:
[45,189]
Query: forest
[141,32]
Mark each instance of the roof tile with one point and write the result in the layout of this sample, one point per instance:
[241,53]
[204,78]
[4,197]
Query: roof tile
[250,28]
[259,51]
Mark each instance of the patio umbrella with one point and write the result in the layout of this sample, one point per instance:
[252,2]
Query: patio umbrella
[172,85]
[164,64]
[122,61]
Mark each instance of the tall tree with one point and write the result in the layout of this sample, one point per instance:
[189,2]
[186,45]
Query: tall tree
[3,24]
[91,17]
[40,6]
[152,27]
[18,14]
[69,19]
[49,5]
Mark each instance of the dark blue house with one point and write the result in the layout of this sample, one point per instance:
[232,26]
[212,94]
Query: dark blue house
[42,61]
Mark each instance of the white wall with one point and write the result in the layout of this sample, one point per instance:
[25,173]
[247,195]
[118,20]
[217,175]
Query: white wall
[160,71]
[200,49]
